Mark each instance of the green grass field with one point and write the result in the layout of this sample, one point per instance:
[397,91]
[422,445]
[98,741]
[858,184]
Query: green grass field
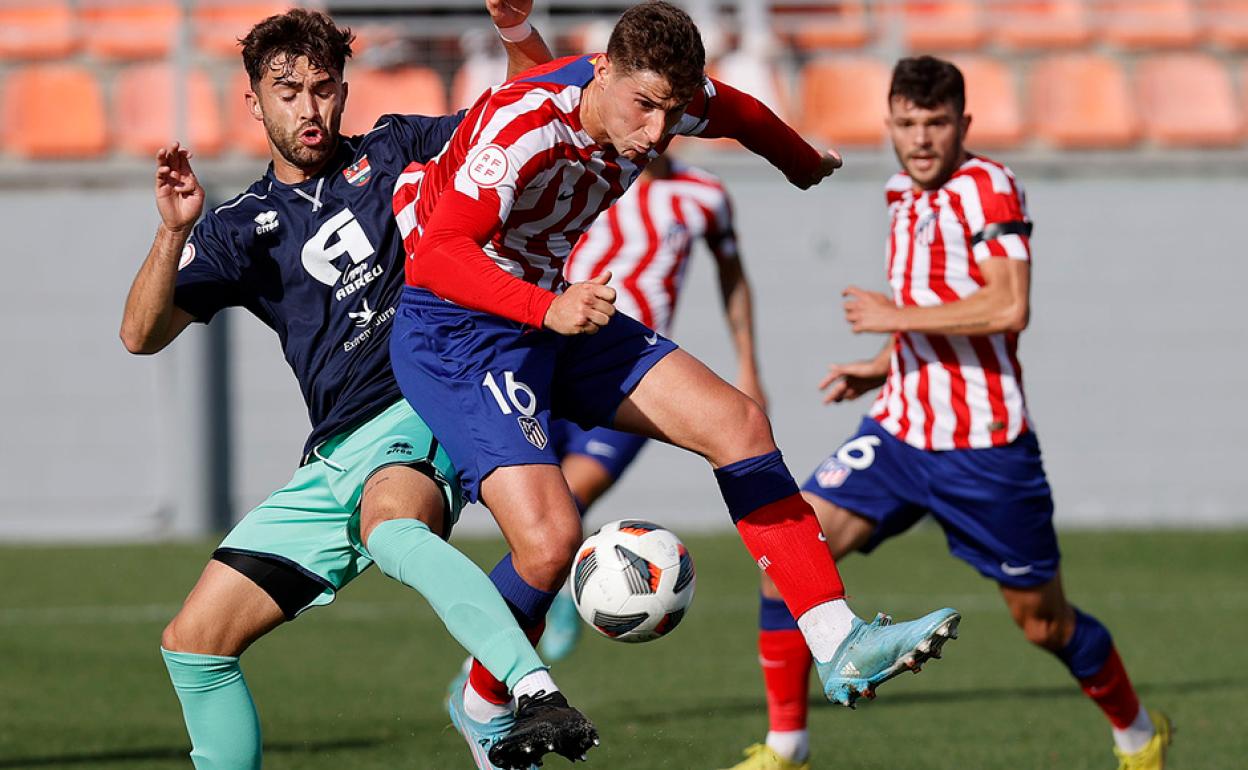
[359,684]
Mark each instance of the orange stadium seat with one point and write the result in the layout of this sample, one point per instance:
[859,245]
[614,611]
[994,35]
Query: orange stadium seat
[54,111]
[816,27]
[1186,99]
[1226,22]
[244,133]
[129,29]
[992,101]
[1081,101]
[1041,23]
[409,90]
[844,101]
[934,25]
[36,29]
[1149,23]
[144,105]
[219,24]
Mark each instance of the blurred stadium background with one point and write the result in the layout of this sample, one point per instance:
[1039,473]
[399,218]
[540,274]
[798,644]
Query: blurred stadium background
[1126,120]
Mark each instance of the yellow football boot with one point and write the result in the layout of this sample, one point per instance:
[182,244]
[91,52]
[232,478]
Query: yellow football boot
[1153,755]
[762,757]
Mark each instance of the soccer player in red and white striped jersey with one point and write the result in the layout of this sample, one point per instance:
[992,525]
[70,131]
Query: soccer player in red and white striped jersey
[490,342]
[949,433]
[645,241]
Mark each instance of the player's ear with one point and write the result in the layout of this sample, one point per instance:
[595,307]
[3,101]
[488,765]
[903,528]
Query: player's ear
[345,89]
[253,105]
[964,123]
[602,69]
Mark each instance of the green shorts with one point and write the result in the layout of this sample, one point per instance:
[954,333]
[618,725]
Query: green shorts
[313,523]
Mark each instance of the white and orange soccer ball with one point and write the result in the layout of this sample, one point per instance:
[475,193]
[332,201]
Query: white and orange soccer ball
[632,581]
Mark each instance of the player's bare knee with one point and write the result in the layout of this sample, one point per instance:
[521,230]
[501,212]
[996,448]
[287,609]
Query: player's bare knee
[744,432]
[545,562]
[187,632]
[400,492]
[1045,630]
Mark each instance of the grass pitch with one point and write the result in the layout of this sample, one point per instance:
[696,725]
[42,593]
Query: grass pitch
[359,684]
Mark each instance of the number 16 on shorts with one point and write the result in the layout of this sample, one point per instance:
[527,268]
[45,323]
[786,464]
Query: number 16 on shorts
[518,397]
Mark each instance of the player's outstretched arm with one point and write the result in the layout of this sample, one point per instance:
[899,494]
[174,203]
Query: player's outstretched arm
[524,44]
[845,382]
[733,114]
[151,320]
[1001,305]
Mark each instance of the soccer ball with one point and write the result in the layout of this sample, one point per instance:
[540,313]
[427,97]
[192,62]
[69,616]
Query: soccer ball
[632,581]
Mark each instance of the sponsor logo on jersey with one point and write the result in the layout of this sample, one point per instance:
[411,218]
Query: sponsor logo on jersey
[489,166]
[652,339]
[401,447]
[832,473]
[377,321]
[266,222]
[188,255]
[358,173]
[364,316]
[357,278]
[532,430]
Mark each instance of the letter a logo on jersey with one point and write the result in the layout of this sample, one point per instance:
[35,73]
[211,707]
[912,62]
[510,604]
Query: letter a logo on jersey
[342,234]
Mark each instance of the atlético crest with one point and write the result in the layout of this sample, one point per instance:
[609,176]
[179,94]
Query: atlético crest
[532,430]
[358,173]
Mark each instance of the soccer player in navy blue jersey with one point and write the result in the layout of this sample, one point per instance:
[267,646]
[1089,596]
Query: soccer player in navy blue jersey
[312,250]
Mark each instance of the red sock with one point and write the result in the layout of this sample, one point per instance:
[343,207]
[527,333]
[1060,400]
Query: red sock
[1111,689]
[786,542]
[786,673]
[486,685]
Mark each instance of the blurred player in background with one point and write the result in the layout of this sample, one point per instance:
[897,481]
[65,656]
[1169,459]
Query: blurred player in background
[949,433]
[312,250]
[491,343]
[644,240]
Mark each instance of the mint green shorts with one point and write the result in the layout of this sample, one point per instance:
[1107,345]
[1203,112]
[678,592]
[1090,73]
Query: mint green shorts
[313,523]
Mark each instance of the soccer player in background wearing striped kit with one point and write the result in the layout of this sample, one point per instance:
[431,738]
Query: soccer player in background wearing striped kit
[949,433]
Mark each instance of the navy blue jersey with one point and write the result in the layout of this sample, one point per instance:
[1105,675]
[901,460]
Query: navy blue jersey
[321,263]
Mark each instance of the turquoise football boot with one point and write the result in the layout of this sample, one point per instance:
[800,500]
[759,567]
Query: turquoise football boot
[480,736]
[877,651]
[563,629]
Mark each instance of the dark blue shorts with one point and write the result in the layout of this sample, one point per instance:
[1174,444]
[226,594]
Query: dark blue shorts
[993,504]
[614,450]
[489,387]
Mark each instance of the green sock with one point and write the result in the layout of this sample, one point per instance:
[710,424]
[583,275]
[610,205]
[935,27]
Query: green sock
[461,594]
[217,707]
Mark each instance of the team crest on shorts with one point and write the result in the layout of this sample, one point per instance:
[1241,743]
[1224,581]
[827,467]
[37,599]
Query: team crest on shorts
[832,473]
[532,430]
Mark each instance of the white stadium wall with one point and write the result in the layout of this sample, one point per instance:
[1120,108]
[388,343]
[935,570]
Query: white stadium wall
[1136,361]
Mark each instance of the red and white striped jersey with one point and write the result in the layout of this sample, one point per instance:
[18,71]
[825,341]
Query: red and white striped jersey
[953,391]
[522,159]
[646,237]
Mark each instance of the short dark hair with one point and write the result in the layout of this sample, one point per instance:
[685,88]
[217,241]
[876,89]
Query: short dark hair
[659,37]
[298,32]
[928,82]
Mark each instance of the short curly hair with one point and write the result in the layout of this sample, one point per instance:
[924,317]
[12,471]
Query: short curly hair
[298,32]
[928,82]
[659,37]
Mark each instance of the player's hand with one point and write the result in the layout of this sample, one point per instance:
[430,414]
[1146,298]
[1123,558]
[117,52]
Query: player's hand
[583,308]
[845,382]
[829,162]
[179,196]
[509,13]
[869,311]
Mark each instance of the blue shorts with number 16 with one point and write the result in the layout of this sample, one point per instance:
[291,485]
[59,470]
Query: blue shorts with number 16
[489,387]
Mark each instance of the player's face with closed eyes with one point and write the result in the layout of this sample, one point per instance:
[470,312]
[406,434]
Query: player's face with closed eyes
[638,110]
[301,107]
